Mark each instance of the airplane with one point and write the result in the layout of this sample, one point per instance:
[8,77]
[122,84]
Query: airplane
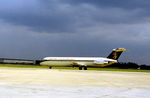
[83,62]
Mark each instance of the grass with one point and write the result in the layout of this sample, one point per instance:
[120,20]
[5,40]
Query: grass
[70,68]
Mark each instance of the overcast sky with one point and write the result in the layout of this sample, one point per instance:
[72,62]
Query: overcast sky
[33,29]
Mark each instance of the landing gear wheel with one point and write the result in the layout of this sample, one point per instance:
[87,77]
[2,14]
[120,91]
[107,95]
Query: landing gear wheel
[85,68]
[80,67]
[50,67]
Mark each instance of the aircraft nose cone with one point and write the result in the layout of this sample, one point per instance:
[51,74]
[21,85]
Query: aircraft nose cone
[43,63]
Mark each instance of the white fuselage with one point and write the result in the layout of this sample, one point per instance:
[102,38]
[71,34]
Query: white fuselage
[77,61]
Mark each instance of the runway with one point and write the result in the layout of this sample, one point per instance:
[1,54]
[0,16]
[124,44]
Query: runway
[45,83]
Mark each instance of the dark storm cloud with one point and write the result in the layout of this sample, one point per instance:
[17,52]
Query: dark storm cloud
[37,16]
[126,11]
[57,16]
[111,11]
[126,4]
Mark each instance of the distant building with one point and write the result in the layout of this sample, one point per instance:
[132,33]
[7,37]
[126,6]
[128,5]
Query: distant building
[19,61]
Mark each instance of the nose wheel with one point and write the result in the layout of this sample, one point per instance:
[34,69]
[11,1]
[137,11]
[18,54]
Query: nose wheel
[50,67]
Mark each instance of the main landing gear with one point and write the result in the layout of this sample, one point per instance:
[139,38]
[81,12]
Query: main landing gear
[85,68]
[80,67]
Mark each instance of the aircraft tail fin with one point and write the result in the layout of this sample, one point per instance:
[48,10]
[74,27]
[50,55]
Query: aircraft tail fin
[115,54]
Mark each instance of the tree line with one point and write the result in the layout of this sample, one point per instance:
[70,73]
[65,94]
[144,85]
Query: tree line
[129,65]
